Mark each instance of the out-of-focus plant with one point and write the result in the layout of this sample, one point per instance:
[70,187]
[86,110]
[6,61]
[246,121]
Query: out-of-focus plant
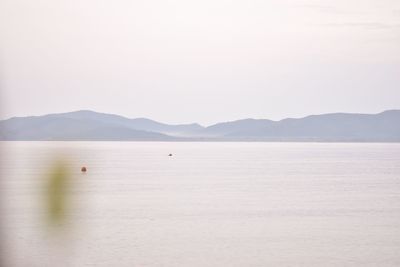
[57,191]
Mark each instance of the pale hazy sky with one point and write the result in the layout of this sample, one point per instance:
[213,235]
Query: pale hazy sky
[199,61]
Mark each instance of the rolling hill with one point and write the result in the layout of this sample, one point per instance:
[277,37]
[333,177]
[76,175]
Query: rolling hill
[90,125]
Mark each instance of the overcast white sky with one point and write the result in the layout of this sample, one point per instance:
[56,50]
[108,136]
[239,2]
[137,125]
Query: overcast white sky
[199,61]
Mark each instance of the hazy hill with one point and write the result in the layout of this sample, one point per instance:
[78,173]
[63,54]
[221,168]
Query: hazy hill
[54,127]
[384,126]
[89,125]
[137,123]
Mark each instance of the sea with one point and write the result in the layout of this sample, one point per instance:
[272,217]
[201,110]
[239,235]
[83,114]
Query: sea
[206,204]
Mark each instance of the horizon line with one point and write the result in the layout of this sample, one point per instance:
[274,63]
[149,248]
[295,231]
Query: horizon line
[191,123]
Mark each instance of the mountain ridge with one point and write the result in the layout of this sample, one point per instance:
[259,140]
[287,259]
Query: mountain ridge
[91,125]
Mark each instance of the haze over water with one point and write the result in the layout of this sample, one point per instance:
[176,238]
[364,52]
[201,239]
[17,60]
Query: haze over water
[210,204]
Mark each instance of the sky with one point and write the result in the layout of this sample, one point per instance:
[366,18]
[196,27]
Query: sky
[203,61]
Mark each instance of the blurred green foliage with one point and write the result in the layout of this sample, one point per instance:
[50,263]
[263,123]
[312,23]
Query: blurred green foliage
[56,193]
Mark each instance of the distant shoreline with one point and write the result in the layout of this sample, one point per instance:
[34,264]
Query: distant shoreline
[86,125]
[212,141]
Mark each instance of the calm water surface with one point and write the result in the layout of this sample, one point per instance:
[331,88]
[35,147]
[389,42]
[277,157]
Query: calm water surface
[210,204]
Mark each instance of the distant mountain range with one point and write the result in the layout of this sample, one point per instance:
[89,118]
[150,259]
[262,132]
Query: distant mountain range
[93,126]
